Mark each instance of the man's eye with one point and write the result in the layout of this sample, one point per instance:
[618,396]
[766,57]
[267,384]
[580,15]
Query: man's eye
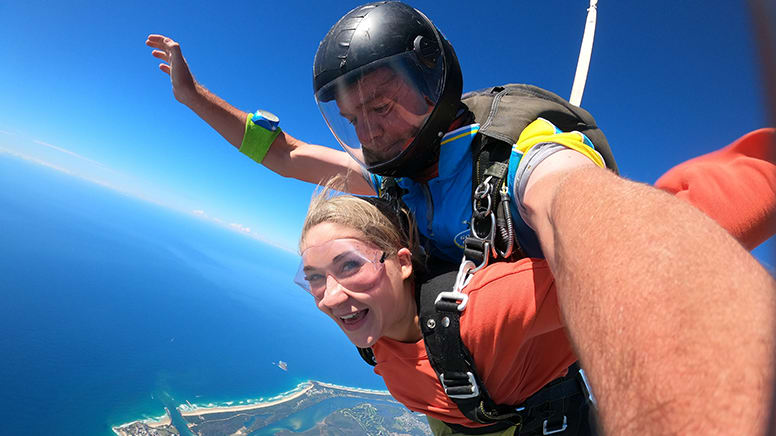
[382,109]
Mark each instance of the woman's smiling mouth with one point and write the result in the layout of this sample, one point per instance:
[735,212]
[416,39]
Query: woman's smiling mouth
[353,320]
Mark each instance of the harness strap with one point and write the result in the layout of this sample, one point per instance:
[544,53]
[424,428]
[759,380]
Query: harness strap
[492,234]
[391,191]
[441,304]
[545,412]
[439,313]
[368,355]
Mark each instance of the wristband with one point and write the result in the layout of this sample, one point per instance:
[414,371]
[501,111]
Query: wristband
[261,129]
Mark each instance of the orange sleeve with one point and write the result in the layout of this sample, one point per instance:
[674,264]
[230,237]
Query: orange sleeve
[735,186]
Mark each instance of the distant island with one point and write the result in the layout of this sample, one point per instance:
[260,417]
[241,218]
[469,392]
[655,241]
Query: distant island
[312,408]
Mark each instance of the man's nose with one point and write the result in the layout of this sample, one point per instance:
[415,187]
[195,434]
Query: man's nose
[368,131]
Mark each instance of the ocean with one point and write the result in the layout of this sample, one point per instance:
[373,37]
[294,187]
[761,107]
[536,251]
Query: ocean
[113,307]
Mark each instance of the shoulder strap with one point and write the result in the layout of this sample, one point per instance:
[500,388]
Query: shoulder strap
[391,191]
[367,355]
[439,312]
[503,112]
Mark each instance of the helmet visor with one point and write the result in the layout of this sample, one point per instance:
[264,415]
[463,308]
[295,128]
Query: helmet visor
[375,112]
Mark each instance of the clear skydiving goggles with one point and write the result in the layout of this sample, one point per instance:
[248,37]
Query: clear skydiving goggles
[376,111]
[354,264]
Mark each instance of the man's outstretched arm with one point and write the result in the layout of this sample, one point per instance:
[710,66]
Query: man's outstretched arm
[287,156]
[671,317]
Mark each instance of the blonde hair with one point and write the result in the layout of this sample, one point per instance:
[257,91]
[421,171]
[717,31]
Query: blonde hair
[381,226]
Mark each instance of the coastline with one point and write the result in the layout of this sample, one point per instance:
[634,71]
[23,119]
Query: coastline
[156,422]
[352,389]
[199,410]
[159,421]
[298,391]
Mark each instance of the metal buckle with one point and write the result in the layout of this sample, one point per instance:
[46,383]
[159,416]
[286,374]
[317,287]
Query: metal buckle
[453,297]
[482,192]
[464,275]
[486,250]
[557,430]
[491,231]
[586,388]
[472,384]
[483,189]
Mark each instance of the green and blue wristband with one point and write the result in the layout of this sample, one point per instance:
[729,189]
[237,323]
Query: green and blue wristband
[261,129]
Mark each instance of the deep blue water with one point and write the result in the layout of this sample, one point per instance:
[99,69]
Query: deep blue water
[109,304]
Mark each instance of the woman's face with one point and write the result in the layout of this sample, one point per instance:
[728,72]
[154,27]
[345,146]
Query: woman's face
[376,303]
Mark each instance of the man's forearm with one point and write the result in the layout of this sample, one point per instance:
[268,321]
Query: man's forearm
[287,156]
[220,115]
[671,317]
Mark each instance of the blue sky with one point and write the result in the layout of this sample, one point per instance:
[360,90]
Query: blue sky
[82,93]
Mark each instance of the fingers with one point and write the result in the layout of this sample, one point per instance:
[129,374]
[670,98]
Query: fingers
[155,41]
[163,55]
[162,42]
[167,48]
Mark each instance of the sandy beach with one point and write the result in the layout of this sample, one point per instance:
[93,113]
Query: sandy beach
[157,422]
[295,393]
[359,390]
[201,410]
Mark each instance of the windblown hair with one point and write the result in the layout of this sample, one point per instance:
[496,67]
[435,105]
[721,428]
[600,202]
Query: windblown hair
[380,223]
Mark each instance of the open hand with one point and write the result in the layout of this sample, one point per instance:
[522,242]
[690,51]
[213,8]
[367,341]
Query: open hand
[169,51]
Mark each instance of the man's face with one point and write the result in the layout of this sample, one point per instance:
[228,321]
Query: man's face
[386,112]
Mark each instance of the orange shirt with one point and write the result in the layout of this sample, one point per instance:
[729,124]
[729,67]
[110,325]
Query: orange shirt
[511,325]
[735,186]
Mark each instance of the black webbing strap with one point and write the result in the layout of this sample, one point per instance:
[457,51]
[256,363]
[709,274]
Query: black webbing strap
[391,191]
[556,408]
[367,355]
[439,322]
[439,312]
[490,161]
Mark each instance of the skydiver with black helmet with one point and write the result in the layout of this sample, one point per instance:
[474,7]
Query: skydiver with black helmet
[390,88]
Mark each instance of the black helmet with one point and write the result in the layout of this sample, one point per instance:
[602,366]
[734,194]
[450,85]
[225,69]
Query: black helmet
[389,85]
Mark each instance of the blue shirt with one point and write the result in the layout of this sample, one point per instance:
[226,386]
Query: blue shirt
[443,205]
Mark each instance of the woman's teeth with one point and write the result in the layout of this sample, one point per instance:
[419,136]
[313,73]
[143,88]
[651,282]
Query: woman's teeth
[353,317]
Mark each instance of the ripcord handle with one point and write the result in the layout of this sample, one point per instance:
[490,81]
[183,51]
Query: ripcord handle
[585,51]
